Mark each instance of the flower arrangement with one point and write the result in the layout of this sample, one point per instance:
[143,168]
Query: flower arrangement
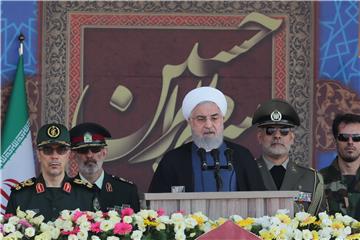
[150,224]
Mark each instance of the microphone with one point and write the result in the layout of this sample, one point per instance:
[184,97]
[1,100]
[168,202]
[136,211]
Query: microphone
[201,152]
[229,157]
[215,154]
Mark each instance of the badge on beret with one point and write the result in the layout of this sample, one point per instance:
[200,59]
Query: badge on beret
[276,116]
[53,131]
[88,138]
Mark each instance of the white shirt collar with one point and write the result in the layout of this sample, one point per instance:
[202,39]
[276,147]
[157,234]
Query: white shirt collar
[270,164]
[98,182]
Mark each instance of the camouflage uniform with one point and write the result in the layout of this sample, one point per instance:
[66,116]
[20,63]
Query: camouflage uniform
[343,196]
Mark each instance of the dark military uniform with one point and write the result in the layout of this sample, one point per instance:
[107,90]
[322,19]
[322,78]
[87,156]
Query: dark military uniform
[297,178]
[342,192]
[117,193]
[33,194]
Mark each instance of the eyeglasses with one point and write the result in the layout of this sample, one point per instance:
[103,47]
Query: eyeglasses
[284,131]
[50,151]
[85,150]
[344,137]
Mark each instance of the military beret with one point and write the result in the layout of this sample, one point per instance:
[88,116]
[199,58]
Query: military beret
[203,94]
[53,133]
[276,112]
[88,134]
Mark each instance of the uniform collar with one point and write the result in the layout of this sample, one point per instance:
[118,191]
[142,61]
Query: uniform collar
[270,164]
[40,184]
[98,182]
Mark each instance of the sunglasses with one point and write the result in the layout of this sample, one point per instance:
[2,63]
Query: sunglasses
[283,131]
[50,151]
[85,150]
[344,137]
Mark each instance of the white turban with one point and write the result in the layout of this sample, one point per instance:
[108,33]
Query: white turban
[202,94]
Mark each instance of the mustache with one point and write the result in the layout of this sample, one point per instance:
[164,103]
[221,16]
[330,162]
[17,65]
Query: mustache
[89,161]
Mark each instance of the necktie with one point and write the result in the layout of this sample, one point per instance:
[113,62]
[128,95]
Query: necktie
[278,173]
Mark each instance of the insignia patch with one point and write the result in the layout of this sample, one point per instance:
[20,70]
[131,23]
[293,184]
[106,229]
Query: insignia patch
[108,187]
[276,116]
[40,188]
[303,197]
[88,137]
[53,131]
[67,187]
[81,182]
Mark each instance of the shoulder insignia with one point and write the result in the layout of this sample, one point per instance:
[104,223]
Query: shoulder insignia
[108,187]
[26,183]
[122,179]
[82,182]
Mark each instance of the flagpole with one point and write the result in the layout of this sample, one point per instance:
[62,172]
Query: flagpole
[21,40]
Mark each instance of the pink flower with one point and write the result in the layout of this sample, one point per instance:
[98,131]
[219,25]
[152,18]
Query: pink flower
[160,212]
[127,212]
[76,215]
[8,215]
[25,223]
[74,231]
[122,228]
[181,211]
[95,227]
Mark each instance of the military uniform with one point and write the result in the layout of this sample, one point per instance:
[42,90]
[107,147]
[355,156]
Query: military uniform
[33,194]
[117,193]
[343,196]
[277,116]
[297,178]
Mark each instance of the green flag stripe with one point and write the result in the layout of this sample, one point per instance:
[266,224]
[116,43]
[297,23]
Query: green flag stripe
[15,144]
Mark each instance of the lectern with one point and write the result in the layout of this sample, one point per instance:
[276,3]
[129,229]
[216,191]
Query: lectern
[224,204]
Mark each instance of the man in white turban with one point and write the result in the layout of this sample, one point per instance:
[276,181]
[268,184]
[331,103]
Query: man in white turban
[208,163]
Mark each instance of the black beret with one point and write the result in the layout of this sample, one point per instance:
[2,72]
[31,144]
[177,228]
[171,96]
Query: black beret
[276,112]
[88,134]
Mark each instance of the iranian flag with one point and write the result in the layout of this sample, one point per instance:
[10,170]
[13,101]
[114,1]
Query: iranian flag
[17,159]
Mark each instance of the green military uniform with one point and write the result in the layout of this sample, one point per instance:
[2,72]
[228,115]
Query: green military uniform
[297,178]
[342,192]
[33,194]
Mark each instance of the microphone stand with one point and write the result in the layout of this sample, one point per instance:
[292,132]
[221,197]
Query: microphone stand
[215,154]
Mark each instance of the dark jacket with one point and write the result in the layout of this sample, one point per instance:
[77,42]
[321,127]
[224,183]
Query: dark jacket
[33,194]
[175,169]
[298,178]
[117,192]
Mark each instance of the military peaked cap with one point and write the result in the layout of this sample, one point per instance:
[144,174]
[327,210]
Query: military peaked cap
[53,133]
[276,112]
[88,134]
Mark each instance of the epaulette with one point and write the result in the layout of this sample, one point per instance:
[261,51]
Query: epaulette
[122,179]
[82,182]
[27,183]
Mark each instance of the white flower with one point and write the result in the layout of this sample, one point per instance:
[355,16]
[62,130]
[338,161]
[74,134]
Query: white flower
[85,226]
[8,228]
[297,234]
[72,237]
[37,220]
[65,214]
[30,232]
[30,214]
[43,236]
[81,219]
[265,221]
[236,218]
[55,233]
[127,219]
[143,213]
[164,219]
[306,234]
[136,235]
[82,235]
[113,213]
[14,220]
[283,211]
[190,223]
[177,217]
[180,235]
[301,216]
[106,225]
[95,238]
[67,226]
[161,226]
[112,238]
[20,213]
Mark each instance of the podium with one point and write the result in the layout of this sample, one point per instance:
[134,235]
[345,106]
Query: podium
[223,204]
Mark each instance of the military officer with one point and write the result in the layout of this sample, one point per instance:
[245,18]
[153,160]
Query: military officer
[342,177]
[53,191]
[275,121]
[89,149]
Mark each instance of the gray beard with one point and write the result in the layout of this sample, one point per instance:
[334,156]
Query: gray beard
[208,143]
